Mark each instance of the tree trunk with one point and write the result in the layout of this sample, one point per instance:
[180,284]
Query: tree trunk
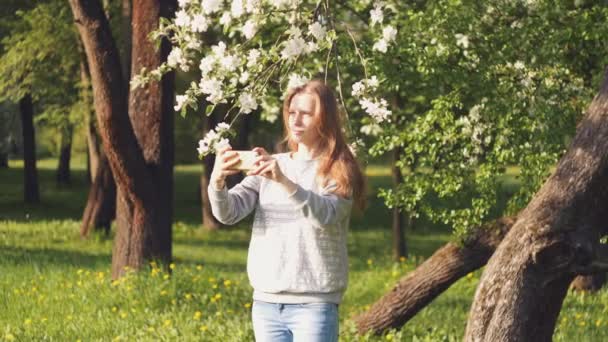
[30,172]
[138,146]
[431,278]
[209,221]
[3,160]
[92,140]
[65,152]
[126,30]
[555,237]
[101,203]
[399,243]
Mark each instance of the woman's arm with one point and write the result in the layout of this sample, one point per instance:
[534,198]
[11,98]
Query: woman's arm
[325,208]
[231,206]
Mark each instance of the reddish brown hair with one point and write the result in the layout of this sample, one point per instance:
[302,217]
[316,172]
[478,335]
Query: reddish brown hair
[337,161]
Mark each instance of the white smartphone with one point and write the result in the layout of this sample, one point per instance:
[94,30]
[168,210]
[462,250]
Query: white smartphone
[247,160]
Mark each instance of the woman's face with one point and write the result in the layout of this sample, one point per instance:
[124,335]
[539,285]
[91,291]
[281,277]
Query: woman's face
[301,121]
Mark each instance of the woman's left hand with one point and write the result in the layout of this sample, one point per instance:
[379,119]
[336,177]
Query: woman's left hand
[269,168]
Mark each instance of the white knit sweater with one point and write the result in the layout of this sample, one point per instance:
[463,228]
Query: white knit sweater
[297,252]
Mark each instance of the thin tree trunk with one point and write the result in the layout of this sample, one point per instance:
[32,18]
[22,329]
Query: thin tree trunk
[101,204]
[139,148]
[431,278]
[209,221]
[30,172]
[399,242]
[3,160]
[555,237]
[63,169]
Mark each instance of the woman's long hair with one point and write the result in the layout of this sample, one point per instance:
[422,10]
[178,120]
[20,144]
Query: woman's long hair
[337,162]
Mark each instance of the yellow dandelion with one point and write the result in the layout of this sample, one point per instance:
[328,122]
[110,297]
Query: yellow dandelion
[227,282]
[214,286]
[470,275]
[172,266]
[212,280]
[27,321]
[166,276]
[123,314]
[402,259]
[598,322]
[247,305]
[43,319]
[199,268]
[114,309]
[163,293]
[80,271]
[173,301]
[370,262]
[203,328]
[167,322]
[395,273]
[151,329]
[198,315]
[389,337]
[9,337]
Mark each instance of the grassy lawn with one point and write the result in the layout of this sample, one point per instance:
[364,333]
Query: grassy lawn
[56,286]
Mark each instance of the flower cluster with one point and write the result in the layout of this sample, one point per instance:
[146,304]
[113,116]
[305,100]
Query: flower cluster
[214,140]
[376,107]
[389,33]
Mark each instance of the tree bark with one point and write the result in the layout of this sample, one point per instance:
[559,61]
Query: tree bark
[63,169]
[555,237]
[138,146]
[209,221]
[431,278]
[399,242]
[30,172]
[92,140]
[100,209]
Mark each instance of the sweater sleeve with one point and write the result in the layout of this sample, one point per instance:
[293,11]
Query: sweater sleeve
[324,208]
[231,206]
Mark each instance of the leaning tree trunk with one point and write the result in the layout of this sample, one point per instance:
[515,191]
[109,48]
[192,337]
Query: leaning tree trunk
[431,278]
[30,172]
[101,203]
[138,148]
[556,236]
[399,242]
[65,153]
[209,221]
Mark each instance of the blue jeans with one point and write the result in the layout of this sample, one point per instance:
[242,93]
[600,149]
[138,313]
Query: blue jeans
[309,322]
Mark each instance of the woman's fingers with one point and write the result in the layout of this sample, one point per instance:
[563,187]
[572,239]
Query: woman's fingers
[230,172]
[232,162]
[227,155]
[261,151]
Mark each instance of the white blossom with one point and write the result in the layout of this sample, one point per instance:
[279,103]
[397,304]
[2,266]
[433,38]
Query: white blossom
[207,64]
[222,126]
[237,9]
[247,103]
[252,57]
[358,88]
[230,63]
[221,144]
[183,3]
[219,49]
[295,81]
[213,88]
[253,6]
[376,15]
[462,40]
[389,33]
[180,101]
[199,23]
[317,30]
[372,129]
[519,65]
[376,109]
[381,46]
[244,77]
[176,57]
[226,19]
[203,147]
[249,29]
[182,18]
[211,6]
[293,47]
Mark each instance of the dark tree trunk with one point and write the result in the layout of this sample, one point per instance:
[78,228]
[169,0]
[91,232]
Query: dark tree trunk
[3,160]
[589,283]
[30,172]
[431,278]
[399,242]
[138,146]
[101,203]
[65,152]
[555,237]
[125,56]
[209,221]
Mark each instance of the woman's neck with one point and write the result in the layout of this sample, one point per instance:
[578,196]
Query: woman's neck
[305,152]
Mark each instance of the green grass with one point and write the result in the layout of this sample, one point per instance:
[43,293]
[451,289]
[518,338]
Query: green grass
[56,286]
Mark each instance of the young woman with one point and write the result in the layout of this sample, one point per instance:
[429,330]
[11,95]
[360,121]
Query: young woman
[297,262]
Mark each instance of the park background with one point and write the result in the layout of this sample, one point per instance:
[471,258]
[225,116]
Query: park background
[57,281]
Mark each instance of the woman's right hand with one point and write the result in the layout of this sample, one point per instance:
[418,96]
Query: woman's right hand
[225,160]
